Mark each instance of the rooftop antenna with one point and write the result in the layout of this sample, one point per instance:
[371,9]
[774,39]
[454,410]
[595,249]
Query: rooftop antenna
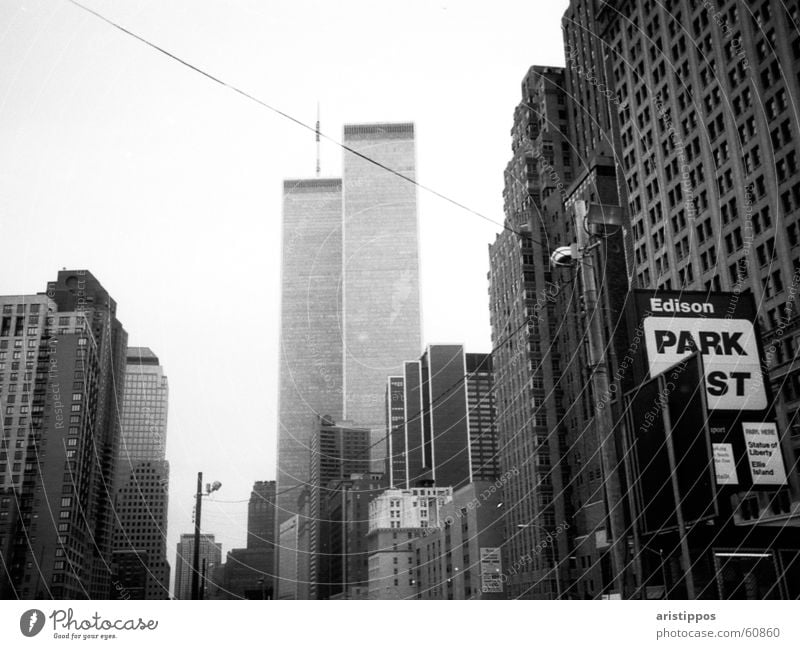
[316,133]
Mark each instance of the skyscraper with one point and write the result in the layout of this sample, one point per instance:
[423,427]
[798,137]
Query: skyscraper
[350,310]
[23,390]
[347,507]
[482,417]
[380,290]
[590,532]
[337,452]
[710,154]
[526,365]
[311,326]
[61,348]
[700,95]
[441,424]
[143,473]
[261,515]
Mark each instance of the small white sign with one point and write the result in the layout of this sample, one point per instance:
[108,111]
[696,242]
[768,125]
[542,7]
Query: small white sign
[729,349]
[724,464]
[764,452]
[491,577]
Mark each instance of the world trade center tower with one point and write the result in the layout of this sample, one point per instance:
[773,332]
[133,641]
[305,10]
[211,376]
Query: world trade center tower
[350,309]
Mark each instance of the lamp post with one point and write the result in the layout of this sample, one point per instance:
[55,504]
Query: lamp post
[198,510]
[581,254]
[552,553]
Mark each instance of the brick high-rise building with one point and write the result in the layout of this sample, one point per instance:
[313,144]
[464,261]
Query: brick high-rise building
[693,101]
[526,363]
[62,356]
[396,518]
[24,337]
[709,150]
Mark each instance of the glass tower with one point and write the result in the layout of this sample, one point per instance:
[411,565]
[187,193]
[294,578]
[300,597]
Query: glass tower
[350,310]
[143,474]
[381,301]
[310,381]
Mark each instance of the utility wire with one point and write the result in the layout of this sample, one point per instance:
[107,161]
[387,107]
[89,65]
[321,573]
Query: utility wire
[299,122]
[318,133]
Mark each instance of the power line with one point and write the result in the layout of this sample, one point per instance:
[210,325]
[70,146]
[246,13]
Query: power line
[299,122]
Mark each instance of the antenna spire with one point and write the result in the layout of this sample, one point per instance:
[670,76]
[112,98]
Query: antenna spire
[317,137]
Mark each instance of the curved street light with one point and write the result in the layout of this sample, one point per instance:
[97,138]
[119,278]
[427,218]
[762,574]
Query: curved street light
[210,488]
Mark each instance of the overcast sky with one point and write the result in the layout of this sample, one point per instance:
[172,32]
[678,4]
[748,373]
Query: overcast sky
[167,186]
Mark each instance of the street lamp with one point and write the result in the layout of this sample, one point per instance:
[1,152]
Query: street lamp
[580,254]
[552,553]
[210,488]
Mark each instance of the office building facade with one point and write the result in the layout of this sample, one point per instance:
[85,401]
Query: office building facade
[346,529]
[709,150]
[337,451]
[142,493]
[440,420]
[311,350]
[380,292]
[350,310]
[67,350]
[210,562]
[396,518]
[527,366]
[461,559]
[261,516]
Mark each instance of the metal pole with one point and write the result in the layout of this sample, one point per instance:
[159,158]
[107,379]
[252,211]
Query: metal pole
[676,493]
[637,543]
[203,589]
[196,558]
[345,549]
[555,567]
[603,421]
[663,573]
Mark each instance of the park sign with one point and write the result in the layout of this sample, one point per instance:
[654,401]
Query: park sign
[720,326]
[665,328]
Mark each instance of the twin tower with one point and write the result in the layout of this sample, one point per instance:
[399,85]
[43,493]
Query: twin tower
[350,296]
